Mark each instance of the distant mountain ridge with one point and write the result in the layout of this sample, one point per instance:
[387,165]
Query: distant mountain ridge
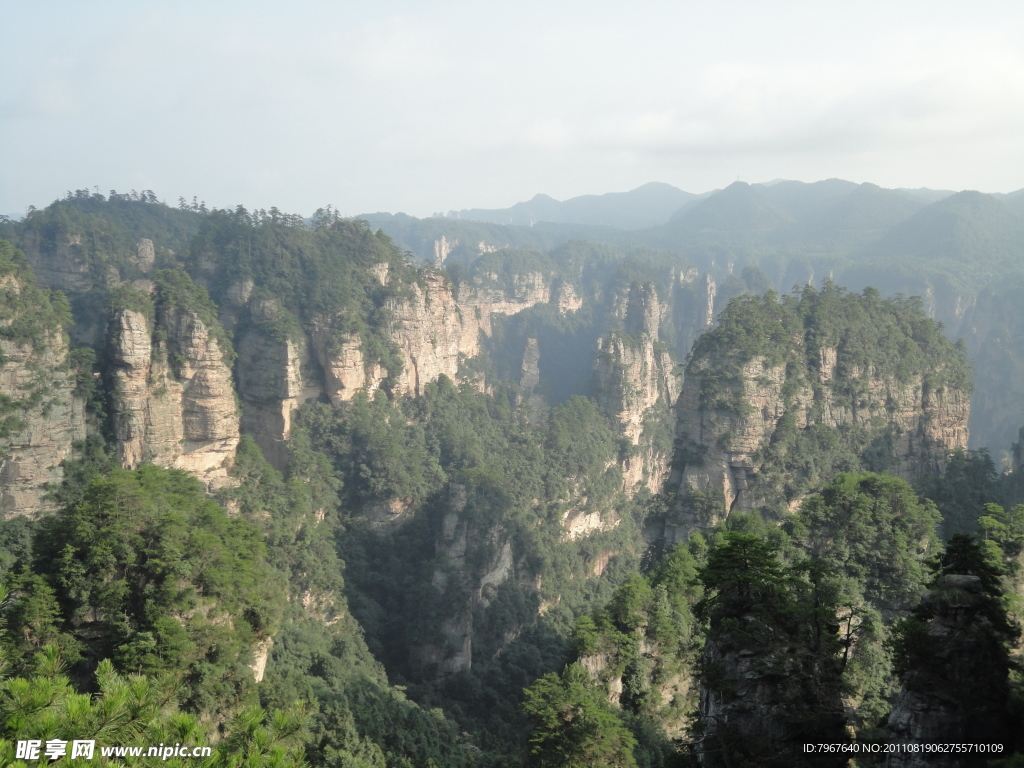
[738,207]
[645,206]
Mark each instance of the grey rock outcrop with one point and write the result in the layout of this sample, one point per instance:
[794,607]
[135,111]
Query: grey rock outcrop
[60,264]
[434,329]
[37,388]
[760,701]
[41,415]
[274,378]
[461,572]
[721,450]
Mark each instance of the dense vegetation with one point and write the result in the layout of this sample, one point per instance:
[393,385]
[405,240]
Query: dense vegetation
[487,477]
[323,273]
[827,606]
[28,314]
[141,574]
[132,710]
[889,337]
[98,231]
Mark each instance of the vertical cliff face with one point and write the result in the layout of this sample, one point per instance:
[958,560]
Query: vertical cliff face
[173,400]
[61,263]
[757,702]
[762,419]
[632,376]
[40,414]
[635,384]
[725,449]
[992,326]
[42,418]
[276,372]
[438,327]
[1018,451]
[271,386]
[464,575]
[433,328]
[83,254]
[693,303]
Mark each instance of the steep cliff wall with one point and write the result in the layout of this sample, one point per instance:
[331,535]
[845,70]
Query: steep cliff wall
[42,419]
[40,414]
[763,419]
[438,327]
[88,244]
[271,386]
[756,698]
[634,372]
[636,384]
[276,370]
[993,328]
[918,425]
[472,582]
[59,262]
[172,394]
[433,327]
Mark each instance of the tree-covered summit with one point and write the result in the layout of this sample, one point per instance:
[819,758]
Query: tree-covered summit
[886,336]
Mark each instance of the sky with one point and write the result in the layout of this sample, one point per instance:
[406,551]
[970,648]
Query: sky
[425,107]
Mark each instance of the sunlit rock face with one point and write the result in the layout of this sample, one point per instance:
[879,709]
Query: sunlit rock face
[636,383]
[173,401]
[722,450]
[434,329]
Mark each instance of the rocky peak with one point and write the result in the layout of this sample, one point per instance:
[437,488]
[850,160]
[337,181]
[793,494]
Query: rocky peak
[643,310]
[461,573]
[759,696]
[530,375]
[568,299]
[433,328]
[443,247]
[145,255]
[59,264]
[921,425]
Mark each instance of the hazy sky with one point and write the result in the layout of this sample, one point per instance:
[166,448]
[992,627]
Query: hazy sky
[423,107]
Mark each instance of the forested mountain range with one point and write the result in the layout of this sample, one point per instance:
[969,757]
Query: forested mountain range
[960,252]
[451,492]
